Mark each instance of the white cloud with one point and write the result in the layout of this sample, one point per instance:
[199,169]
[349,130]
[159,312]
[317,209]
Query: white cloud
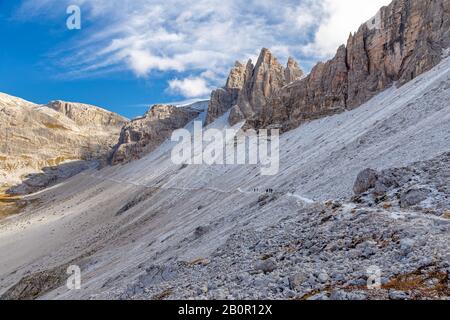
[199,39]
[142,62]
[342,17]
[190,87]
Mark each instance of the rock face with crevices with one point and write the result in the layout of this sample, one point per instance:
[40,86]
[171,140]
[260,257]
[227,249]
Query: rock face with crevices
[292,71]
[402,41]
[143,135]
[263,81]
[223,99]
[249,86]
[38,140]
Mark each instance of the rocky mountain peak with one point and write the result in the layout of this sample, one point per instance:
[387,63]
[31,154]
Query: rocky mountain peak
[41,144]
[266,57]
[267,77]
[402,41]
[250,66]
[7,100]
[224,98]
[236,77]
[293,71]
[248,88]
[160,111]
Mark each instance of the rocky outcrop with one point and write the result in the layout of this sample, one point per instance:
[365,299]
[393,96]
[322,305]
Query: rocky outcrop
[323,92]
[223,99]
[263,81]
[52,175]
[37,284]
[249,87]
[35,139]
[86,115]
[402,41]
[143,135]
[293,71]
[407,187]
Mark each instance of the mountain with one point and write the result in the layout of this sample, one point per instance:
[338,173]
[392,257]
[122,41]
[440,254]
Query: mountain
[150,228]
[362,193]
[224,98]
[85,115]
[402,41]
[42,142]
[248,87]
[143,135]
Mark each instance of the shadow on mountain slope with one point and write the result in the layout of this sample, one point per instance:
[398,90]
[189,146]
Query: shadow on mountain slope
[51,176]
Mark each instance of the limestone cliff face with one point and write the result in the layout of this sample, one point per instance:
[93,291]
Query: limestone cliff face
[264,80]
[143,135]
[402,41]
[34,137]
[223,99]
[293,71]
[86,115]
[321,93]
[266,77]
[249,87]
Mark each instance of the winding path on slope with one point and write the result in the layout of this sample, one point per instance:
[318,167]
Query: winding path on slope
[240,190]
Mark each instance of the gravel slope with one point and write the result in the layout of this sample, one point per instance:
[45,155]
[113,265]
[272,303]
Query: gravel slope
[121,223]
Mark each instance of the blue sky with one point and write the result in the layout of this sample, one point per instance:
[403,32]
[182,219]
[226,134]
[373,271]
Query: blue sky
[131,54]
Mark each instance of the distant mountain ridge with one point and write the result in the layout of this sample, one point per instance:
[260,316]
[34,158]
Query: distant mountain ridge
[34,137]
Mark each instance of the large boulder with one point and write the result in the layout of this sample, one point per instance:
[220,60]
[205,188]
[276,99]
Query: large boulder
[413,197]
[365,181]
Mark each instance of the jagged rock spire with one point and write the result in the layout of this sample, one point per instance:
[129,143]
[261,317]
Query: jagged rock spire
[268,77]
[224,98]
[249,87]
[407,39]
[293,71]
[236,77]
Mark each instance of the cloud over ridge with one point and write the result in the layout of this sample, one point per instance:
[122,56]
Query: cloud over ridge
[199,40]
